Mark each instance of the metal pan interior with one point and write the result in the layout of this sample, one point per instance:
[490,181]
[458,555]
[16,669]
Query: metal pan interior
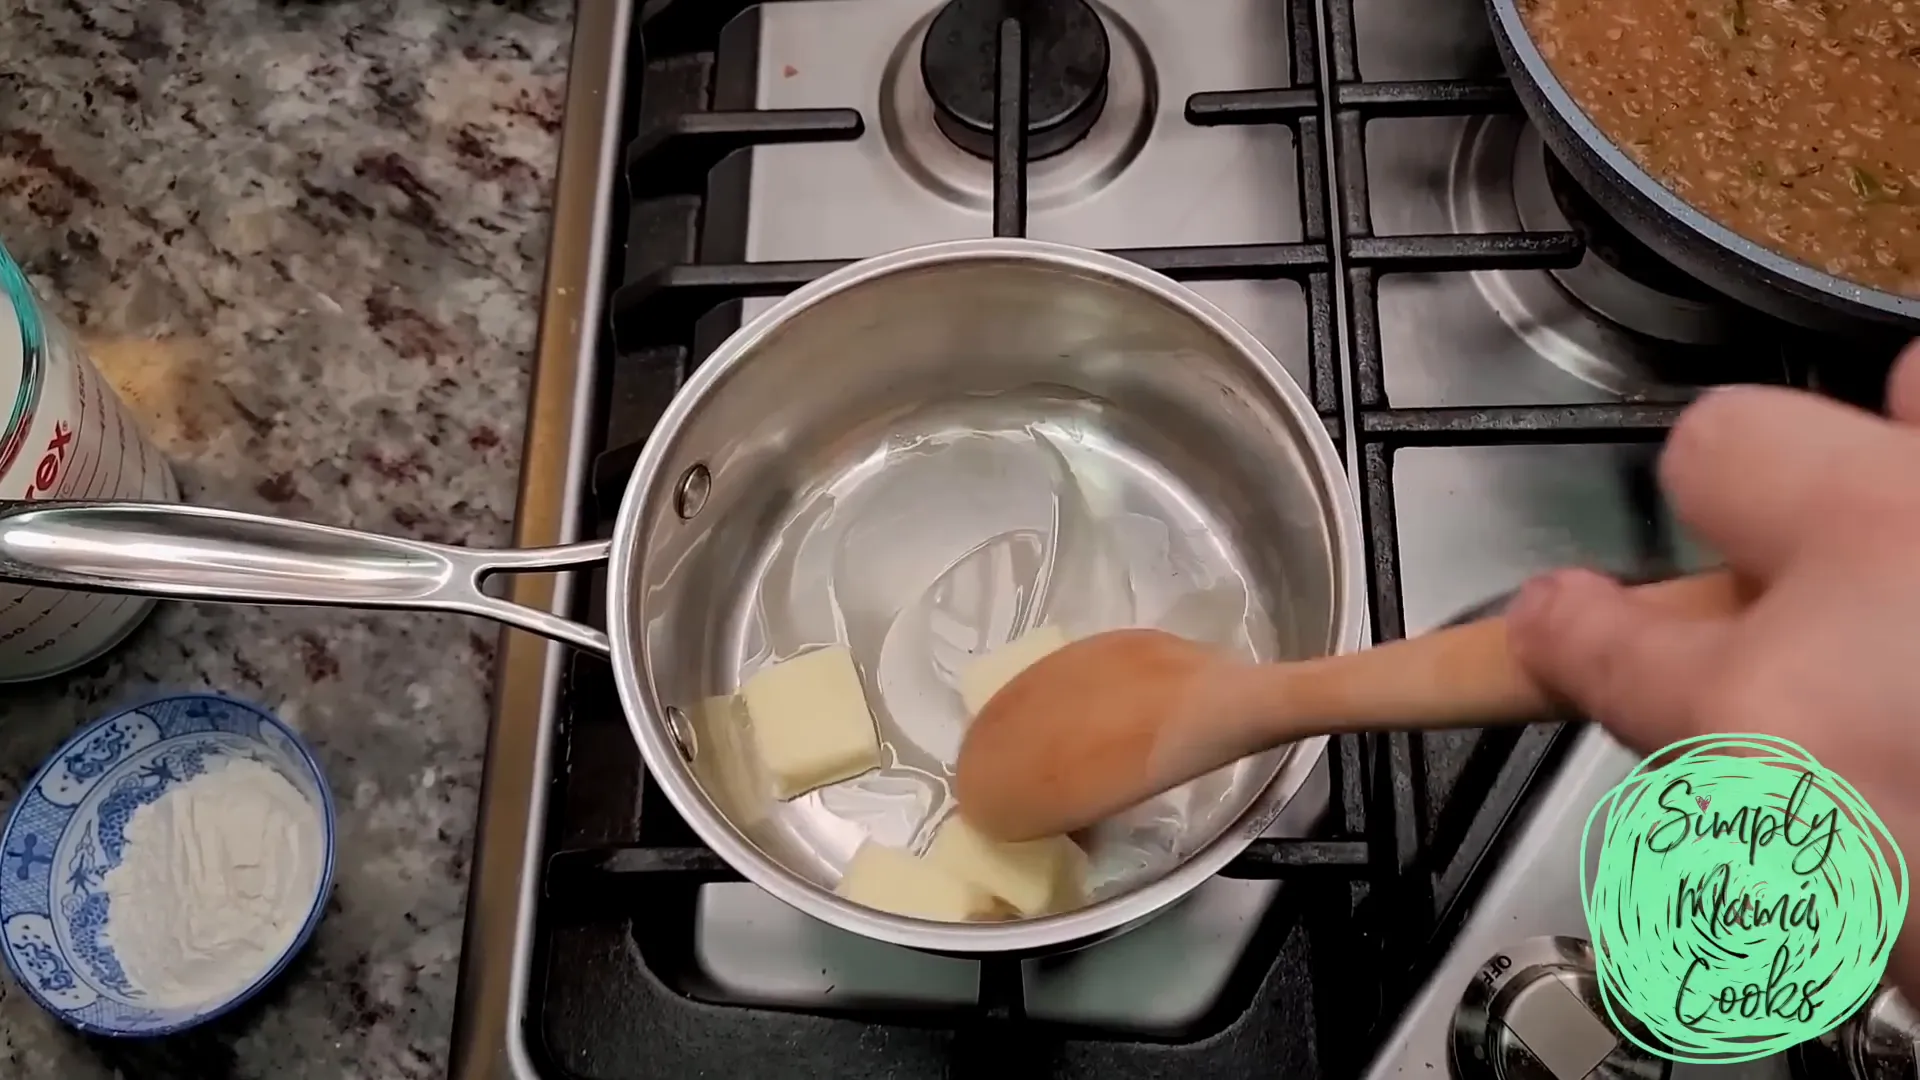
[941,455]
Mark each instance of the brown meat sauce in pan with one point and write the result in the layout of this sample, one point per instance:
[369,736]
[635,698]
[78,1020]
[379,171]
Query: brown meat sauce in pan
[1795,123]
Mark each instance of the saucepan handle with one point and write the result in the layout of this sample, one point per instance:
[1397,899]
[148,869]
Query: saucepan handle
[223,556]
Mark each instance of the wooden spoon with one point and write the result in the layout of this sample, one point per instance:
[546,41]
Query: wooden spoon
[1110,720]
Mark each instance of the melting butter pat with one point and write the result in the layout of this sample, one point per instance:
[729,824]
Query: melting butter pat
[985,676]
[810,721]
[725,762]
[1034,877]
[892,880]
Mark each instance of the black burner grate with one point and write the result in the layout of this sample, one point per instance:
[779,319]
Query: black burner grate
[1341,948]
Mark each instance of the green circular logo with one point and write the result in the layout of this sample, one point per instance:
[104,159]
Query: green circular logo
[1745,899]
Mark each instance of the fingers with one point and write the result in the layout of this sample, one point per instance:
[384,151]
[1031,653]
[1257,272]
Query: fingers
[1635,670]
[1903,387]
[1749,469]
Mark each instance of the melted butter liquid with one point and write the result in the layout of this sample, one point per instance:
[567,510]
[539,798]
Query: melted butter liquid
[940,547]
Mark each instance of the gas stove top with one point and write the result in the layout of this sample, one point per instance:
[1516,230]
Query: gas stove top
[1496,361]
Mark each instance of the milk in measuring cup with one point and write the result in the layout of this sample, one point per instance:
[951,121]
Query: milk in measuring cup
[64,435]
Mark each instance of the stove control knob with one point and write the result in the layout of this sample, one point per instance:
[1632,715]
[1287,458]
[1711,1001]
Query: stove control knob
[1879,1041]
[1533,1012]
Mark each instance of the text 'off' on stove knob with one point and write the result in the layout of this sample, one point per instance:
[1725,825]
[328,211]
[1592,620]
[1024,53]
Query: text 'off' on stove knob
[1533,1012]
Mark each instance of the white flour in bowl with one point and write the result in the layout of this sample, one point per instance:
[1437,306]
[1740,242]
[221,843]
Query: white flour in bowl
[215,881]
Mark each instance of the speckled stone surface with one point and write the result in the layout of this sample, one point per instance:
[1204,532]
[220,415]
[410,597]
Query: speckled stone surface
[305,240]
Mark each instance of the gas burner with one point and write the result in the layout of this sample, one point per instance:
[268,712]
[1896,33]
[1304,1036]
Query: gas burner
[1620,278]
[1622,320]
[1606,239]
[1067,62]
[952,158]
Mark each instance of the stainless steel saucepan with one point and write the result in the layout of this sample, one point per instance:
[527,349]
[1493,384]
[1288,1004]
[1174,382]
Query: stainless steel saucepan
[919,457]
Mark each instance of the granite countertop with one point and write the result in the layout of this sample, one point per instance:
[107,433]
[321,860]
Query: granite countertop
[305,241]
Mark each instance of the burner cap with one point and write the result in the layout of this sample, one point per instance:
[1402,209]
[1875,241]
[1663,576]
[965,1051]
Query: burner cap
[1067,55]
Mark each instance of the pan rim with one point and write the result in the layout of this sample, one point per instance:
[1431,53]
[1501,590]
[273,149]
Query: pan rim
[645,715]
[1867,302]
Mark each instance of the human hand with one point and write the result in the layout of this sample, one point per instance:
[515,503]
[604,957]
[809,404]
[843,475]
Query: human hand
[1816,507]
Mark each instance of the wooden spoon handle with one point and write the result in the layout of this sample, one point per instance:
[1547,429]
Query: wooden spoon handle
[1462,676]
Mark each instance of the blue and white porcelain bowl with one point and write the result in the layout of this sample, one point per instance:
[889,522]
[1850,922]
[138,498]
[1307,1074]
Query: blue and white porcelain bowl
[67,830]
